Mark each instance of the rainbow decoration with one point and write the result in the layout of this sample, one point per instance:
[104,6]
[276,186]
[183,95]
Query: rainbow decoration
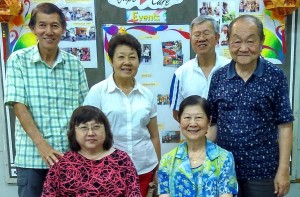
[148,29]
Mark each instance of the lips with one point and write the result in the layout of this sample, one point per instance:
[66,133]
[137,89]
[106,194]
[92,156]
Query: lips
[193,130]
[126,69]
[91,140]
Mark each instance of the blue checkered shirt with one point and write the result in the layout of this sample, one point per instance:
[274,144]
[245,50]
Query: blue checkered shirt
[51,95]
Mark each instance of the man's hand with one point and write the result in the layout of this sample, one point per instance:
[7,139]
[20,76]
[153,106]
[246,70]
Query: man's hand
[49,155]
[282,182]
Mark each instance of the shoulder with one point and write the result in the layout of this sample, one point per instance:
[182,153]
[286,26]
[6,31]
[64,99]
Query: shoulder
[144,90]
[100,86]
[272,69]
[68,56]
[216,151]
[26,52]
[186,67]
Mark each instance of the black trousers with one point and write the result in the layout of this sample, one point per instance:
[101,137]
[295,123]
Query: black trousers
[256,188]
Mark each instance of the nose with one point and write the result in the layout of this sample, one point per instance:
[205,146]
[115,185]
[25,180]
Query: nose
[49,30]
[90,132]
[243,47]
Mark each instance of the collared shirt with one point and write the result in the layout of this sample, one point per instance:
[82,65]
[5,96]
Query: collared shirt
[214,177]
[189,79]
[129,116]
[247,115]
[51,95]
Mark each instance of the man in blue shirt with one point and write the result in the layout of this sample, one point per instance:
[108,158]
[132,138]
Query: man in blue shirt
[252,112]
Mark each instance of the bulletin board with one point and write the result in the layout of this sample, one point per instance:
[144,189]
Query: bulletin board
[155,71]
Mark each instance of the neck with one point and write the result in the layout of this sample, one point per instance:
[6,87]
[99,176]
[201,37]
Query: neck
[48,56]
[92,154]
[126,85]
[245,71]
[207,61]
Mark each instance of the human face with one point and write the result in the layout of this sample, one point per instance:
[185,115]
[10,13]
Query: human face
[244,43]
[125,62]
[48,30]
[194,123]
[204,39]
[90,136]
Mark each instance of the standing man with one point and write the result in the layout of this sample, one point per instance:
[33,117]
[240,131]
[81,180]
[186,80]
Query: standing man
[193,77]
[250,104]
[44,85]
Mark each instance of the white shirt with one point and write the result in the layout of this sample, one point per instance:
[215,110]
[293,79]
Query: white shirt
[129,117]
[189,79]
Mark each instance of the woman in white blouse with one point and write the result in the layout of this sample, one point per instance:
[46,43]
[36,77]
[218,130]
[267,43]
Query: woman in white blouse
[130,108]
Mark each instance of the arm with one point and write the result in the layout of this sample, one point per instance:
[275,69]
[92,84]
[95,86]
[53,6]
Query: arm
[226,195]
[48,154]
[164,195]
[50,188]
[132,178]
[282,178]
[154,135]
[228,185]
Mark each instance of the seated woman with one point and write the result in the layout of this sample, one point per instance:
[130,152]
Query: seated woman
[92,167]
[196,167]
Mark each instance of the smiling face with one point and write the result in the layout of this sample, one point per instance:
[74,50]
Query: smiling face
[90,136]
[244,43]
[204,39]
[194,123]
[48,30]
[125,62]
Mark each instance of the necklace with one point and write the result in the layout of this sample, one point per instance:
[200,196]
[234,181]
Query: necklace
[194,161]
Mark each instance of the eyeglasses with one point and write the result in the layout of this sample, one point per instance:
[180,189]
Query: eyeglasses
[204,34]
[95,128]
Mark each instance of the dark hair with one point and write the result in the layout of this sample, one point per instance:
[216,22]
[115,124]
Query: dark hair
[84,114]
[195,100]
[124,39]
[47,8]
[258,23]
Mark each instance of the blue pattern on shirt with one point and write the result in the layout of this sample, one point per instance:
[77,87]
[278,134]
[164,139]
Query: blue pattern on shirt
[247,115]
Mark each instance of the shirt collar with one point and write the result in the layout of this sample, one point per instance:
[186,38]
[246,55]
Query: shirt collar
[37,56]
[259,71]
[211,151]
[112,86]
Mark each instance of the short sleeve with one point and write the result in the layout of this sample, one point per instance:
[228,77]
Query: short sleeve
[212,97]
[83,85]
[175,94]
[15,85]
[228,182]
[281,104]
[163,176]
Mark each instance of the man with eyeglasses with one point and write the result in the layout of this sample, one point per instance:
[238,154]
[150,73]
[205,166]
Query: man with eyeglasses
[193,77]
[252,113]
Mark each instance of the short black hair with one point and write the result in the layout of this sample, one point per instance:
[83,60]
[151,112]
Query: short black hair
[195,100]
[85,114]
[47,8]
[124,39]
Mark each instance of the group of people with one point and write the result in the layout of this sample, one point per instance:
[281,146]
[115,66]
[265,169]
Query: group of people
[72,141]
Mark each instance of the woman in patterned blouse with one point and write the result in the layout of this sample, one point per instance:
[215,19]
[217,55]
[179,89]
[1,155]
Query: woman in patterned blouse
[92,167]
[197,167]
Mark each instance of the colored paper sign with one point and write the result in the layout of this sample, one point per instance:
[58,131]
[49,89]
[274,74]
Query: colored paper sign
[146,16]
[142,4]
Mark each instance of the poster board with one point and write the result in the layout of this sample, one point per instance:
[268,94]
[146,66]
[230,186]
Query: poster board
[169,48]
